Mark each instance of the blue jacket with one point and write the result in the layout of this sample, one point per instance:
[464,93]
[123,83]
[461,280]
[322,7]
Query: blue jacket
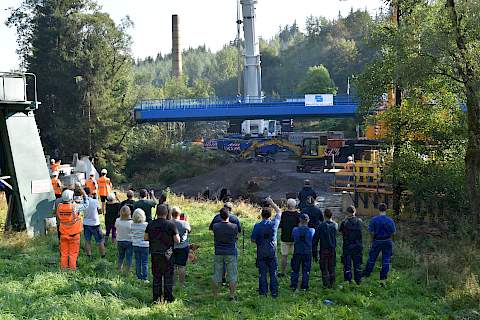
[265,236]
[382,227]
[302,238]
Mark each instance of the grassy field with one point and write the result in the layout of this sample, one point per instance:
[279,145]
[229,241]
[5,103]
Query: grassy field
[32,287]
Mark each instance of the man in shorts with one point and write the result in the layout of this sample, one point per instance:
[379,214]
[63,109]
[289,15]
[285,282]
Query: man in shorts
[289,220]
[91,226]
[225,236]
[181,250]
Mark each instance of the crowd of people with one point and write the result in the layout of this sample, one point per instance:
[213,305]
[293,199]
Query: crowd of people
[308,236]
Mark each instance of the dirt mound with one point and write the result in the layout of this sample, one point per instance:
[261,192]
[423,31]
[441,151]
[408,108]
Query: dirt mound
[259,179]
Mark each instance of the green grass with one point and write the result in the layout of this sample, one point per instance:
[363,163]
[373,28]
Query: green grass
[32,287]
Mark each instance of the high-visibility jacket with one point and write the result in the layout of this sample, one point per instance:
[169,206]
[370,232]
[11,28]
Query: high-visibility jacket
[56,185]
[92,185]
[70,222]
[54,167]
[104,186]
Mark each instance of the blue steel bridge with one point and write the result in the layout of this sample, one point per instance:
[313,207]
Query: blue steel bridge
[236,108]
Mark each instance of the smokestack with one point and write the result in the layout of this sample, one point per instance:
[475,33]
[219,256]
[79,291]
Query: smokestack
[176,50]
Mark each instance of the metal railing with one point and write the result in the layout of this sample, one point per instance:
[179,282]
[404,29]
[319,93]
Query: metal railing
[232,102]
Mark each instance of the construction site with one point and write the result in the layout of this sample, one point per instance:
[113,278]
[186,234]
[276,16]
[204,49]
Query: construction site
[344,137]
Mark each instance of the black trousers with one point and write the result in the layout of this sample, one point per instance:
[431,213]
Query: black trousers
[327,265]
[162,270]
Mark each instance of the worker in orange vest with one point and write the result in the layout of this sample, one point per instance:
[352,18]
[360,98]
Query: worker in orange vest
[92,185]
[55,165]
[104,187]
[70,227]
[56,184]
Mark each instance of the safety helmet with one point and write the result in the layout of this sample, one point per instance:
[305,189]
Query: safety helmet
[104,171]
[67,195]
[52,160]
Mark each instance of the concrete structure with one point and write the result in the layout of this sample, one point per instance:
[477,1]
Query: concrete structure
[176,47]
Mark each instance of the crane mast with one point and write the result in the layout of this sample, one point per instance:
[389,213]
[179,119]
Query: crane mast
[252,70]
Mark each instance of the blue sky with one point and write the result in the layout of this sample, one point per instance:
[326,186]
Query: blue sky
[209,22]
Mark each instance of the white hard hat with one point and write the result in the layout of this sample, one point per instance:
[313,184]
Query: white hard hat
[52,160]
[111,197]
[67,195]
[350,158]
[92,173]
[103,171]
[55,173]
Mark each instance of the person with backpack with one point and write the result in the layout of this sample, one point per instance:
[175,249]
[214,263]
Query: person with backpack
[328,244]
[382,228]
[264,235]
[351,229]
[302,253]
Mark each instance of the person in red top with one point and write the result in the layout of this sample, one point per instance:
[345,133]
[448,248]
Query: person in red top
[92,185]
[70,227]
[56,184]
[104,187]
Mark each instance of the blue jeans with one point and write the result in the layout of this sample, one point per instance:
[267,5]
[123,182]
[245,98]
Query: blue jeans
[304,261]
[347,260]
[386,248]
[141,262]
[125,252]
[267,265]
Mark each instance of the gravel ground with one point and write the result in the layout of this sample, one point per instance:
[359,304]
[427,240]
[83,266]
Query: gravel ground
[274,179]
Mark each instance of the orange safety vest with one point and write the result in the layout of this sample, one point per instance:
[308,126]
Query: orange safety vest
[56,186]
[70,221]
[104,186]
[90,183]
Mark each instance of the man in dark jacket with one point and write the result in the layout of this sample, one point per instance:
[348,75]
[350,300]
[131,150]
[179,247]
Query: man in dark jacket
[316,217]
[328,245]
[306,192]
[290,219]
[162,234]
[351,229]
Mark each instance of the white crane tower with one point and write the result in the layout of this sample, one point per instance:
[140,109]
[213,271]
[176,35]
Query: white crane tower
[252,72]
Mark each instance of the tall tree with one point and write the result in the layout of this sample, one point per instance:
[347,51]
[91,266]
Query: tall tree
[83,64]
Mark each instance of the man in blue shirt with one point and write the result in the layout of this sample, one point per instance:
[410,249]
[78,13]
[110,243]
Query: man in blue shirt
[225,236]
[382,228]
[264,235]
[302,253]
[328,243]
[316,217]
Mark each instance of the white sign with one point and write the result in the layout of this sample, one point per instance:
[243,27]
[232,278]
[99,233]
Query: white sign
[314,100]
[41,186]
